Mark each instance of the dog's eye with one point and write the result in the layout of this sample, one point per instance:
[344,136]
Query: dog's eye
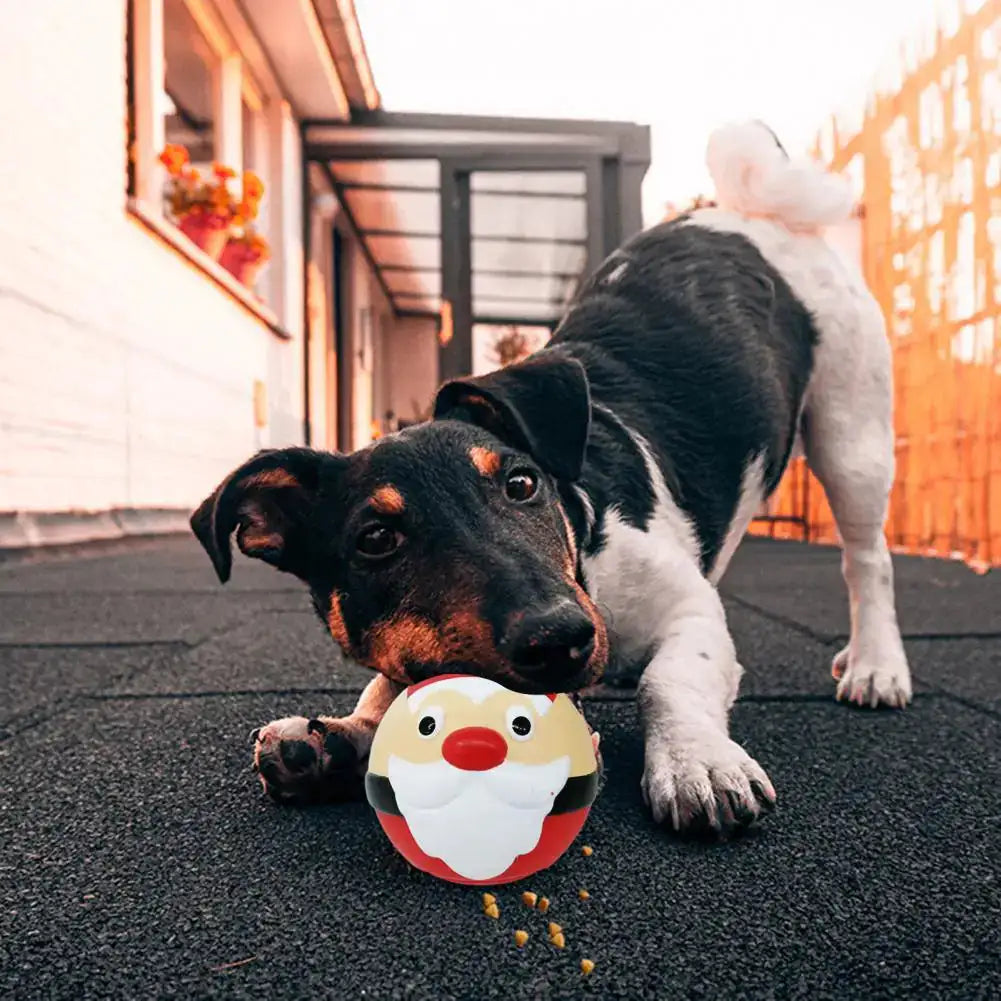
[430,722]
[522,485]
[377,541]
[519,724]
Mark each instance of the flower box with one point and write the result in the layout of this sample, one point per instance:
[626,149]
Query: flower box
[211,217]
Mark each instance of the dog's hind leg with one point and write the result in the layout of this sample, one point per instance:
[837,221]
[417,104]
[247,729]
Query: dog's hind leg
[848,437]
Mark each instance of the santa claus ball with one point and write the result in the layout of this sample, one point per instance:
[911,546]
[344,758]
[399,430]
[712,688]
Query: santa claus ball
[478,784]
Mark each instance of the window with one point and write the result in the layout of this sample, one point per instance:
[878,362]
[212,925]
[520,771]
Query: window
[191,69]
[197,126]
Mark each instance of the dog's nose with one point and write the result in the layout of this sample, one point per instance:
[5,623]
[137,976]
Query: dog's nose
[474,748]
[556,641]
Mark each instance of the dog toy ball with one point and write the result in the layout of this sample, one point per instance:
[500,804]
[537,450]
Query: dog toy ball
[478,784]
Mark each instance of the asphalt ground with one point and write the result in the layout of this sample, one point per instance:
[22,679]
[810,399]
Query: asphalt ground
[139,858]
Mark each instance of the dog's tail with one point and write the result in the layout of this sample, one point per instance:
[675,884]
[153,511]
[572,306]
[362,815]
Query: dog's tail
[754,176]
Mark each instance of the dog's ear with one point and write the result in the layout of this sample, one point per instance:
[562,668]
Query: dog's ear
[541,406]
[268,502]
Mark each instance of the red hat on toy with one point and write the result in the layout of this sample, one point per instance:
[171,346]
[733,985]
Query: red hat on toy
[475,783]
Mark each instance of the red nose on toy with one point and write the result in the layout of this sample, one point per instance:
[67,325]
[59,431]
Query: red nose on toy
[474,748]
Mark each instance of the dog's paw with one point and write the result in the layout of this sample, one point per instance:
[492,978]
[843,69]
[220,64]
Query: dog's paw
[886,682]
[300,760]
[715,788]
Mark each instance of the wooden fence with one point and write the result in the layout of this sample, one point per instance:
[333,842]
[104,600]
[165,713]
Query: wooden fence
[927,162]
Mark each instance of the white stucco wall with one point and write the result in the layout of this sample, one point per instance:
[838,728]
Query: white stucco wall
[126,375]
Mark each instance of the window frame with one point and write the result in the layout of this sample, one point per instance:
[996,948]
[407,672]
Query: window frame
[234,83]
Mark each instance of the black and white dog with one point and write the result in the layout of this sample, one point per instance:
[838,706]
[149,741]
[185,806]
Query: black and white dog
[617,469]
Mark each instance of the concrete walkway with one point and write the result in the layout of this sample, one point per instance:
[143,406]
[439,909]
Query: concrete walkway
[139,859]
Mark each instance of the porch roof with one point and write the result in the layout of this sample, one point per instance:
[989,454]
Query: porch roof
[543,203]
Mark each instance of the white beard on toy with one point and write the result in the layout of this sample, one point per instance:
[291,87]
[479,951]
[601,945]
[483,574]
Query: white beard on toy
[477,823]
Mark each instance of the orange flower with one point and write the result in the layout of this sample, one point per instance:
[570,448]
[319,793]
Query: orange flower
[221,201]
[222,171]
[175,158]
[248,207]
[253,186]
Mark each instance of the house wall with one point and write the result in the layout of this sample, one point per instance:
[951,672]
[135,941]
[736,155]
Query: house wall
[126,375]
[410,369]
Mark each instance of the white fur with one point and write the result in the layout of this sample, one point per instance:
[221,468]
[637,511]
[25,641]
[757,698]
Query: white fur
[477,823]
[753,176]
[638,575]
[651,582]
[848,442]
[655,596]
[615,274]
[752,495]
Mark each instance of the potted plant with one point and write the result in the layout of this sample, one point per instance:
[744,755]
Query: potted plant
[246,251]
[202,209]
[510,347]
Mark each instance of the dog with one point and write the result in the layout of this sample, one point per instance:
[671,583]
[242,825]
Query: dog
[617,468]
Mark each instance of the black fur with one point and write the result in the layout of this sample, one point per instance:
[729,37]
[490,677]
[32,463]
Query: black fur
[692,339]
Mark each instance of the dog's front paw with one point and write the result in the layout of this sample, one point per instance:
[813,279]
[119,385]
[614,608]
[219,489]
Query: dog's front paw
[714,788]
[866,682]
[301,760]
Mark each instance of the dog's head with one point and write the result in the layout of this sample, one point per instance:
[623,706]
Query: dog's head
[444,548]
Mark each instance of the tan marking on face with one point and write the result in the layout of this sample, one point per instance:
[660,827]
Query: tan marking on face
[270,478]
[399,640]
[571,541]
[256,537]
[598,660]
[466,637]
[549,737]
[388,500]
[473,400]
[335,622]
[487,463]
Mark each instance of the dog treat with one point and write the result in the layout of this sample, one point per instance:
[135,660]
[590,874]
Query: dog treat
[558,940]
[491,911]
[543,904]
[586,966]
[488,899]
[554,928]
[583,894]
[520,938]
[529,899]
[587,850]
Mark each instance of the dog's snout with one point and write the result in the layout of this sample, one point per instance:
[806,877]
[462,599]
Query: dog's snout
[557,640]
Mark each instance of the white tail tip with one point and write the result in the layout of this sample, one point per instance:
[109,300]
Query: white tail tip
[754,176]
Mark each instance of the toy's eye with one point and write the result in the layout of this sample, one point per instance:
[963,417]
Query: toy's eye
[430,722]
[378,541]
[522,485]
[519,723]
